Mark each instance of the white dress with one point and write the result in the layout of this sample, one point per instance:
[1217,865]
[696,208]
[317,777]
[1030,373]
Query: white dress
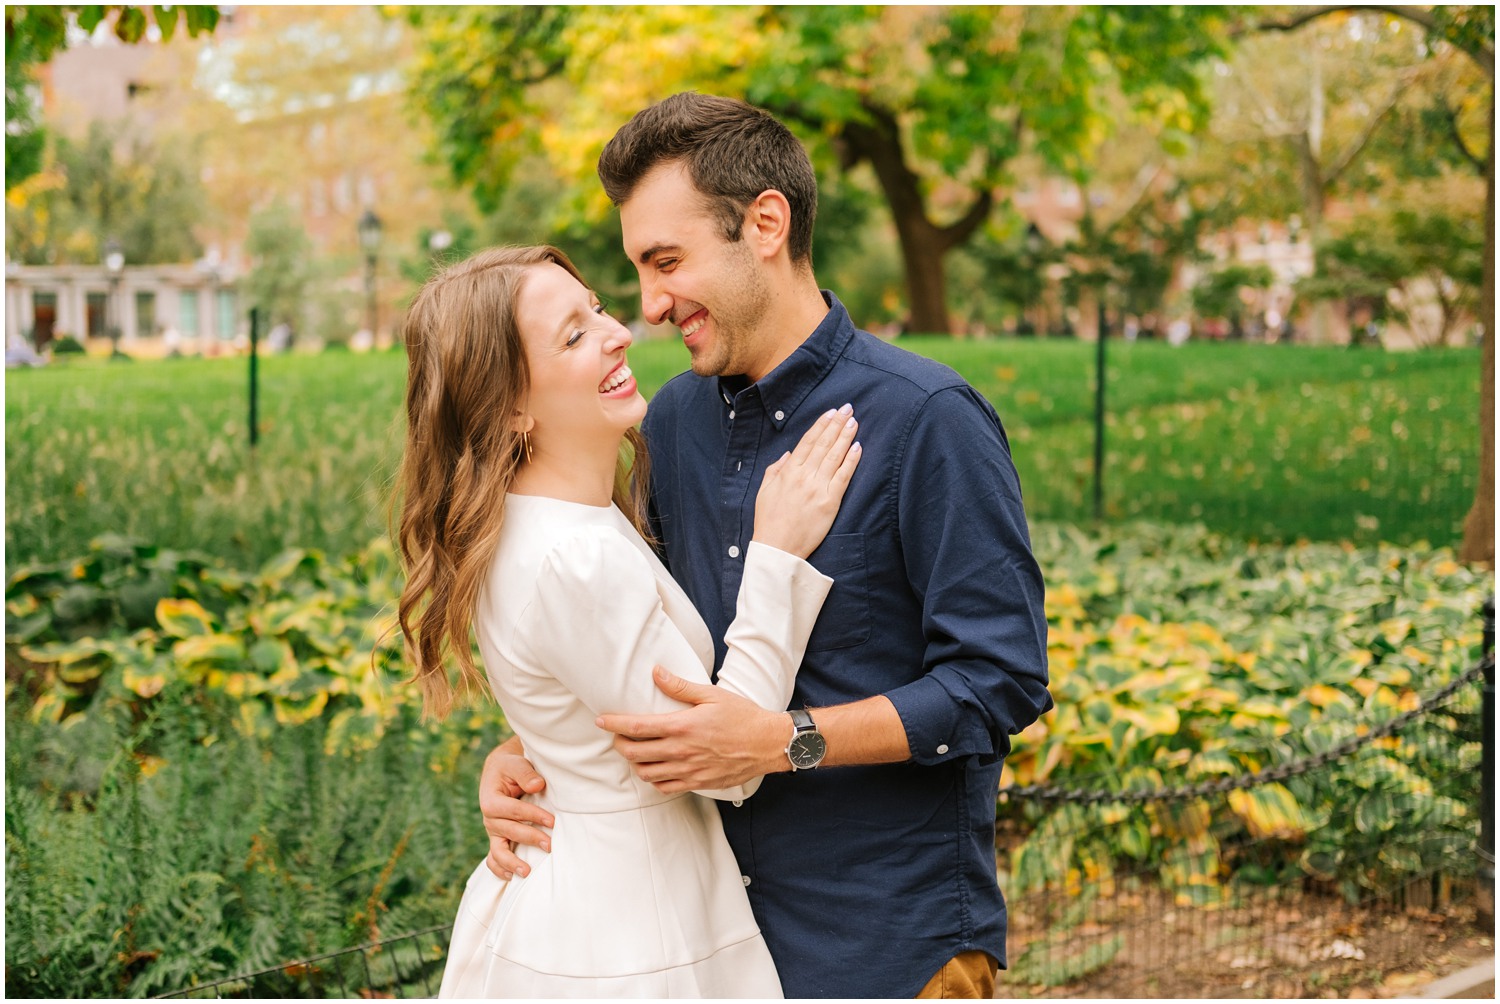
[640,895]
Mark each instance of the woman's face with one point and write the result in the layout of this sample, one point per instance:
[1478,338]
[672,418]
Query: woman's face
[581,389]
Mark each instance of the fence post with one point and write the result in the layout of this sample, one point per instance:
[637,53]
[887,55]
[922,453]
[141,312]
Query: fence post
[254,374]
[1099,351]
[1485,894]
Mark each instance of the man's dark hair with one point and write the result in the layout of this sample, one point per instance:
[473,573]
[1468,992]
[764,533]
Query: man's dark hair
[733,152]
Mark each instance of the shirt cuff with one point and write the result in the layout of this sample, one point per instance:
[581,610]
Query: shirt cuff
[737,794]
[783,566]
[942,725]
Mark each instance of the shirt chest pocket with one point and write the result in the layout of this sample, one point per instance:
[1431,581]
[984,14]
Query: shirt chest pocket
[845,620]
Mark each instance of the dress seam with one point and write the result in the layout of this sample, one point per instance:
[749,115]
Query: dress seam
[641,972]
[555,807]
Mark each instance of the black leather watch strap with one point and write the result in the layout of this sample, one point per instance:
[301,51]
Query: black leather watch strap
[806,748]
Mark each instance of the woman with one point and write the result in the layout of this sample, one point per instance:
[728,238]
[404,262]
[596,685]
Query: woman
[515,522]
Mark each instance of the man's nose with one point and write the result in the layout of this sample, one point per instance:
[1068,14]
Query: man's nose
[656,304]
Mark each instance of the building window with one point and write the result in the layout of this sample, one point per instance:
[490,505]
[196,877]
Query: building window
[187,313]
[226,314]
[145,313]
[96,312]
[343,192]
[43,317]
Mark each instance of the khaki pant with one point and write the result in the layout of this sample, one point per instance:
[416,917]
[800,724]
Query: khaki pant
[968,975]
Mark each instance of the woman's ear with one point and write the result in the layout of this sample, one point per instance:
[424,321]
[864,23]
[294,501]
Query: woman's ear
[521,423]
[768,223]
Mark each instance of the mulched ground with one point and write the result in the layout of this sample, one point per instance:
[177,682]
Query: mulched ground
[1284,942]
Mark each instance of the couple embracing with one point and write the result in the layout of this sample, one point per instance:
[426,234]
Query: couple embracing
[817,606]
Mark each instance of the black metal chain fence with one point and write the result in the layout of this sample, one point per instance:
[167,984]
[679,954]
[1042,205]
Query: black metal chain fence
[407,965]
[1275,772]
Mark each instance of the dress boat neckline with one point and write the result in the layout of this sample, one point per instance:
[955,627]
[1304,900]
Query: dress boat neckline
[512,496]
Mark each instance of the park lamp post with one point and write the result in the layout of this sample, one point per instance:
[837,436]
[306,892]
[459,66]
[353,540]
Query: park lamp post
[369,239]
[114,264]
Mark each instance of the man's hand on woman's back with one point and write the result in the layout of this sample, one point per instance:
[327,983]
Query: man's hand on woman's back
[509,821]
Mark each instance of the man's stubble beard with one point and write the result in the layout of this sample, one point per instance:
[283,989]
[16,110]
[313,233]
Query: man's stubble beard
[744,300]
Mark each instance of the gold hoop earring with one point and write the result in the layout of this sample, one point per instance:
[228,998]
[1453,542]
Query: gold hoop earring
[526,443]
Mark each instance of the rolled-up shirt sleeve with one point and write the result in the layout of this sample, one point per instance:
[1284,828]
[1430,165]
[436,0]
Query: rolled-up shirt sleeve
[968,558]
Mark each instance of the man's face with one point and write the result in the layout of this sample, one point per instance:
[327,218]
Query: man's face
[714,290]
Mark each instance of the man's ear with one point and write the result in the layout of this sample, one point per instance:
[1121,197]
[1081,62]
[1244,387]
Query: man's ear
[768,224]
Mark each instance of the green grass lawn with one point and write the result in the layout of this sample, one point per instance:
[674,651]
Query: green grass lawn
[1257,441]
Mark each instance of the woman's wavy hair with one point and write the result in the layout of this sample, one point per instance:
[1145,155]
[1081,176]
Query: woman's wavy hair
[467,381]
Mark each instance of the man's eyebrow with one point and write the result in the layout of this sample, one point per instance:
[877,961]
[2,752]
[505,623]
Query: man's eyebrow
[654,250]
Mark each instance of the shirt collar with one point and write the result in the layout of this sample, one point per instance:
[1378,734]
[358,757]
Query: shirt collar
[785,387]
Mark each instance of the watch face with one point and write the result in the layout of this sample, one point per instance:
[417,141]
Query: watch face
[807,750]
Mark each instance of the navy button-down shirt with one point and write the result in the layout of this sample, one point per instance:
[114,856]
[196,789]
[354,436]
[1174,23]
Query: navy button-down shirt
[866,880]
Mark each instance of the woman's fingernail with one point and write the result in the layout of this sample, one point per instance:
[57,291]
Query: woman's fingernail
[829,413]
[849,424]
[855,448]
[847,409]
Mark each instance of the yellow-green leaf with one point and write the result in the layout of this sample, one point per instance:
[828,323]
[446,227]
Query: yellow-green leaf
[1155,720]
[298,711]
[1270,811]
[183,618]
[143,683]
[209,651]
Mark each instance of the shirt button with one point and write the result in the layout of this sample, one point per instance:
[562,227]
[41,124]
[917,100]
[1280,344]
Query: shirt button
[780,415]
[731,416]
[745,879]
[738,802]
[734,550]
[942,749]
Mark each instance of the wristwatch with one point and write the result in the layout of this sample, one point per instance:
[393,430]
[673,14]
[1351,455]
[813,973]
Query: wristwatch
[807,748]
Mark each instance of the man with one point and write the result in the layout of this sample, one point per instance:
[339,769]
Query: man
[868,852]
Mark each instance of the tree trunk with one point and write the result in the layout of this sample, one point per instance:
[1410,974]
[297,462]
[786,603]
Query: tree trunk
[1479,526]
[1314,203]
[926,278]
[923,243]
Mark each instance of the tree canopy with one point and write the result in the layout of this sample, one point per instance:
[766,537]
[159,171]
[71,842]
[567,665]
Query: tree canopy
[938,103]
[108,184]
[34,32]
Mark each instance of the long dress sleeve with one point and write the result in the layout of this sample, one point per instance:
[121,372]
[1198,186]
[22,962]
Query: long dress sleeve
[598,625]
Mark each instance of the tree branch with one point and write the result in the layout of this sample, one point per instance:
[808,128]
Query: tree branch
[960,230]
[1477,50]
[1450,115]
[1145,178]
[1341,164]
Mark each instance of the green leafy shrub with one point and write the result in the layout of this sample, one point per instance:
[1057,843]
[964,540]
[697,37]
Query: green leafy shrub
[209,770]
[1178,656]
[301,639]
[67,345]
[212,771]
